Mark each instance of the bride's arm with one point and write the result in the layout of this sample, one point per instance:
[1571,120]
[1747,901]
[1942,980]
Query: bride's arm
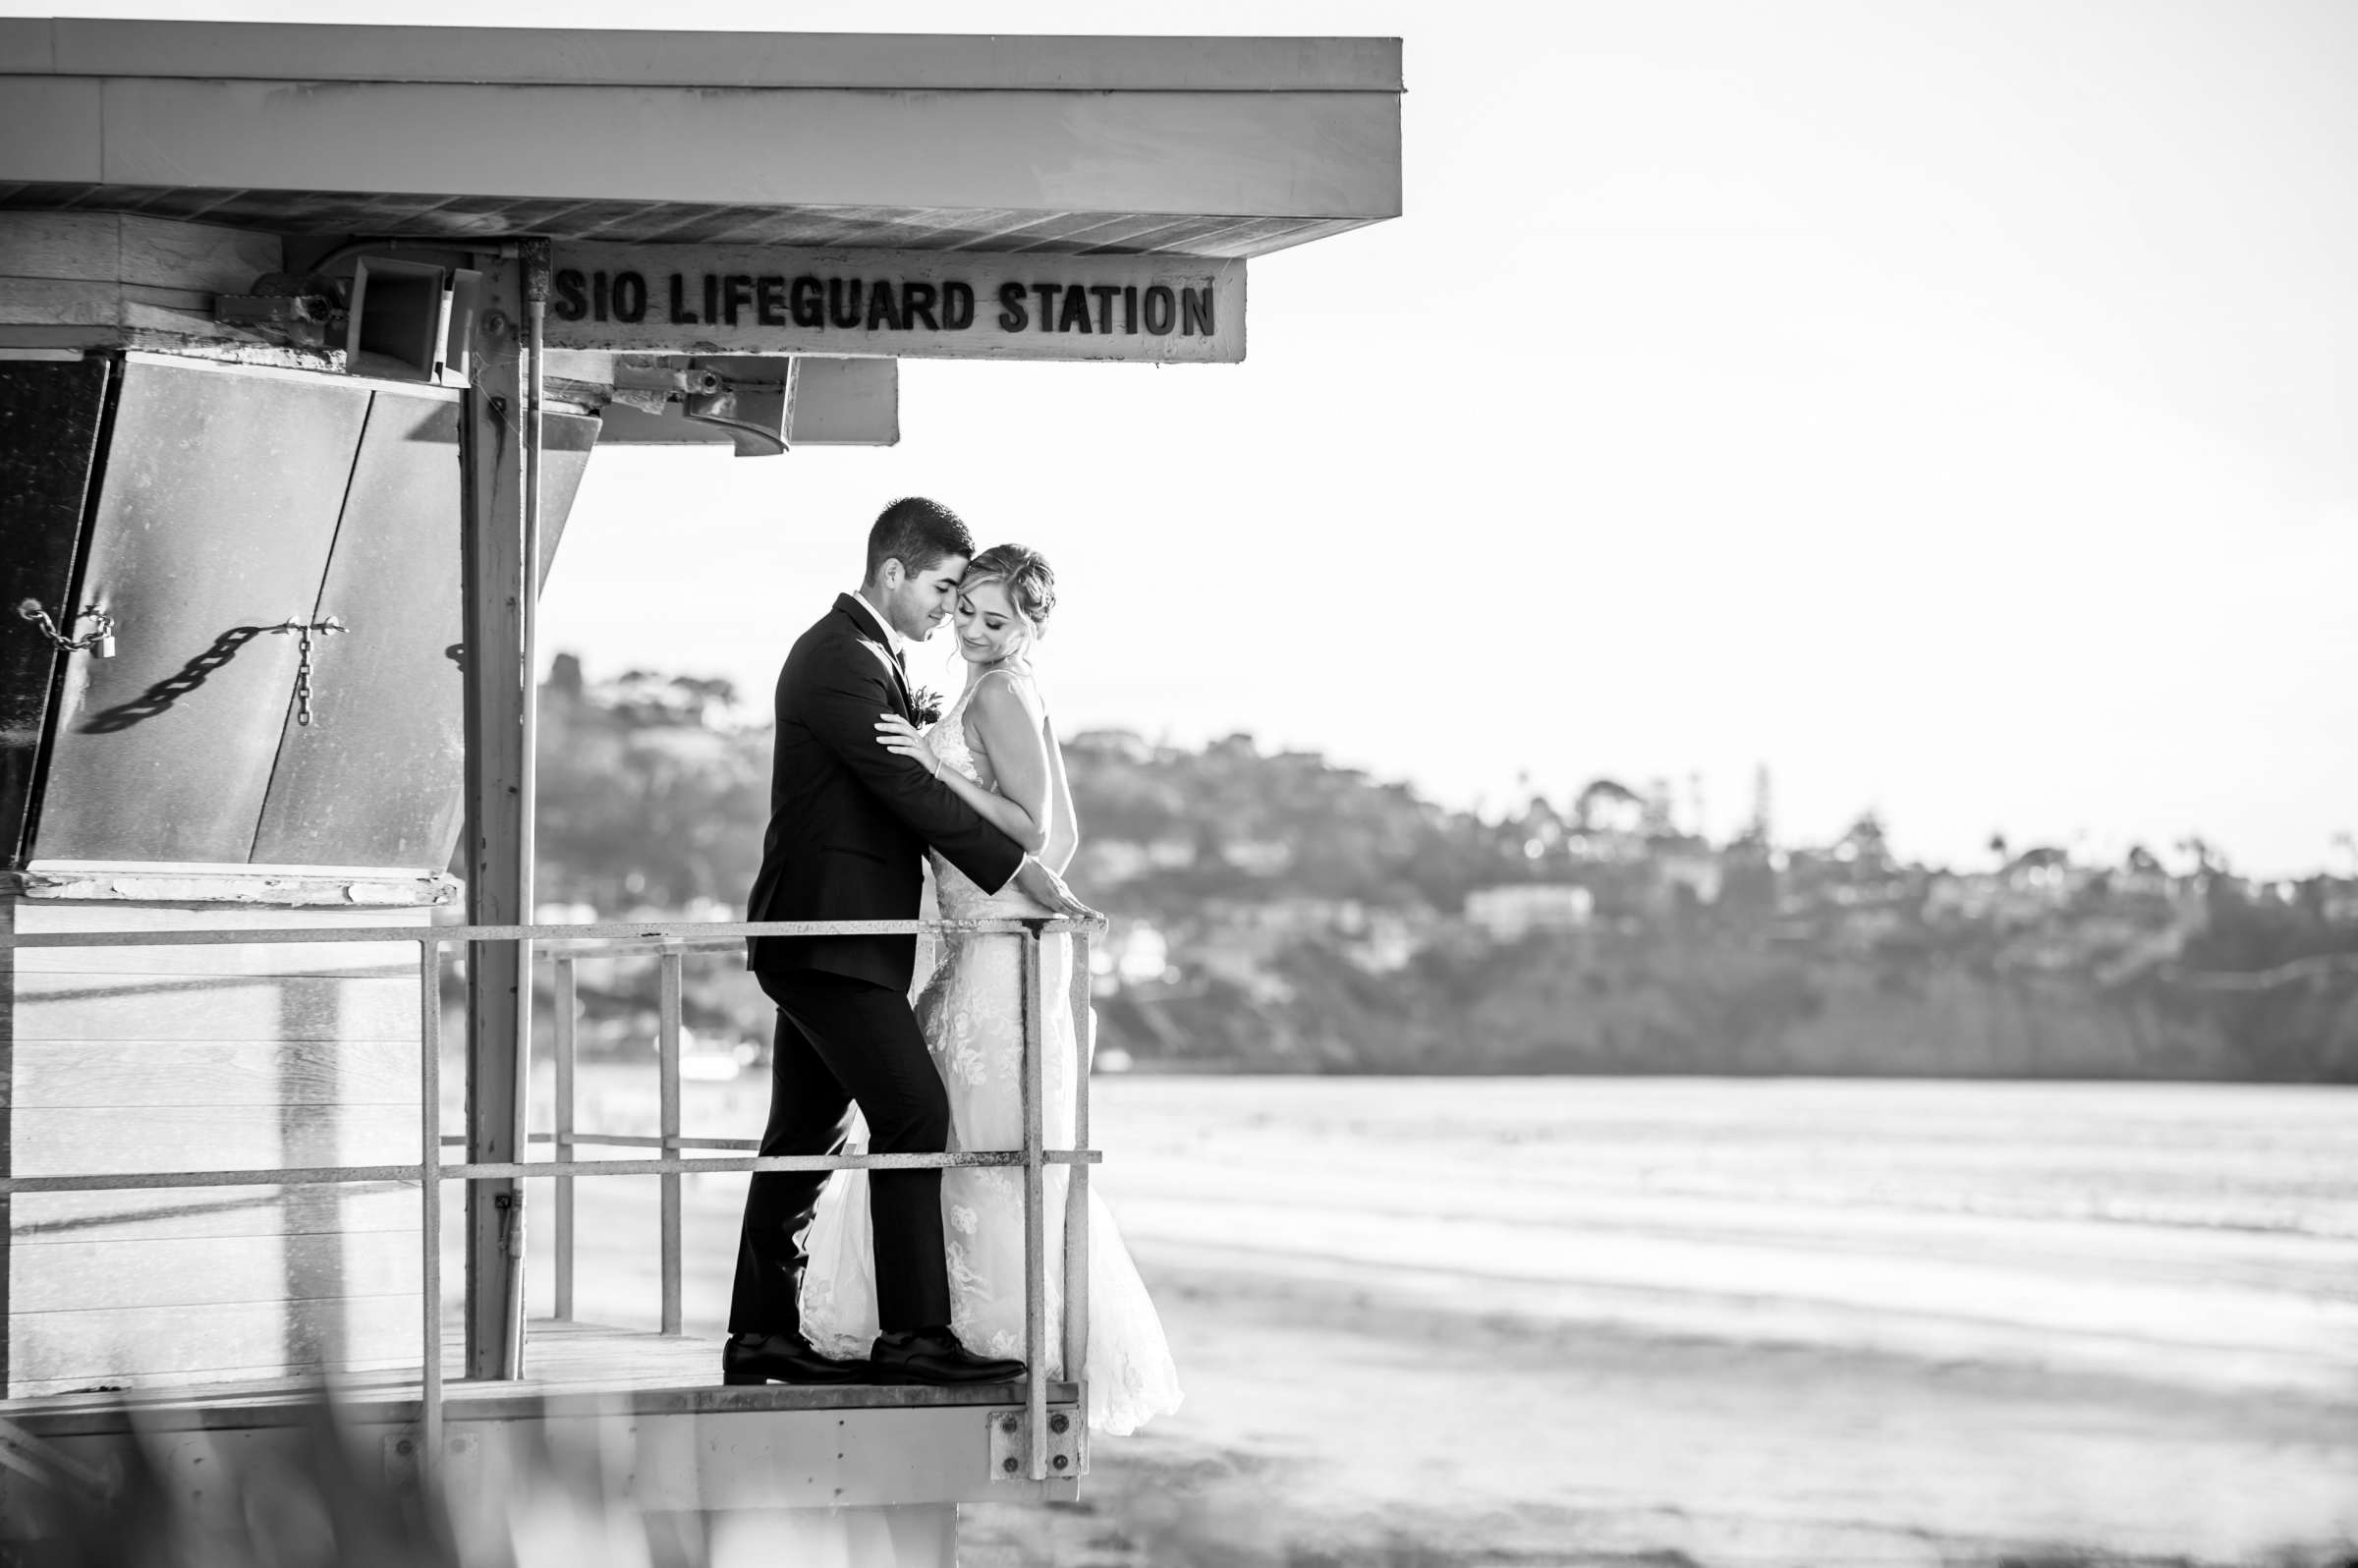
[1013,731]
[1009,721]
[895,734]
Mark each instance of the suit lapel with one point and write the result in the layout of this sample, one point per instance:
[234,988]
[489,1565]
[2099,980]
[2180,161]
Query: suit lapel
[900,680]
[871,637]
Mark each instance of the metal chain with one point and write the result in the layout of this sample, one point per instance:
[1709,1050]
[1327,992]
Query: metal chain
[103,627]
[101,638]
[303,682]
[303,667]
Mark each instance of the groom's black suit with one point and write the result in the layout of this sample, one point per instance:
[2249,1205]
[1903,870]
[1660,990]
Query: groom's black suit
[849,825]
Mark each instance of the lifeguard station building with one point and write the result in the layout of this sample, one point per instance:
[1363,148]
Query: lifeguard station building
[307,338]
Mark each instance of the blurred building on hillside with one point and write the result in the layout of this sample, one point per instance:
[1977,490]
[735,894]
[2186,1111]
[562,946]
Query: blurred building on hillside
[1517,910]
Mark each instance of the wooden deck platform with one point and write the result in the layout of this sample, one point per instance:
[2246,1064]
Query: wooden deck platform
[583,1367]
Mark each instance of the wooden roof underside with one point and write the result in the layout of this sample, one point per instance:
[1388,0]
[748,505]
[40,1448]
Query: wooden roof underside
[1217,147]
[459,217]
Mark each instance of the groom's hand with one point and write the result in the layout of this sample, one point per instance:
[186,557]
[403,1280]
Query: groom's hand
[1045,887]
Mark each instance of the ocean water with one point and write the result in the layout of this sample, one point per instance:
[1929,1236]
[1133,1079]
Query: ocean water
[1712,1320]
[2067,1224]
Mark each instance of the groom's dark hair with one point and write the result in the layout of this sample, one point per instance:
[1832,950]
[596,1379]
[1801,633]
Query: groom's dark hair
[916,533]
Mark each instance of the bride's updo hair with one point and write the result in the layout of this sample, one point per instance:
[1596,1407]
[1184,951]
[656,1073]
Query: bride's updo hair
[1031,585]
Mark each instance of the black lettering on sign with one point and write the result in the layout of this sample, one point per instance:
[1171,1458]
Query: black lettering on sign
[808,312]
[1196,305]
[1074,317]
[1104,293]
[711,297]
[1161,309]
[917,304]
[630,297]
[597,295]
[1047,305]
[957,305]
[1130,310]
[769,294]
[1013,317]
[880,306]
[737,293]
[837,313]
[573,299]
[681,316]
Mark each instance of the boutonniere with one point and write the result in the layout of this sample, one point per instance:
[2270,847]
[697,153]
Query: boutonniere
[926,704]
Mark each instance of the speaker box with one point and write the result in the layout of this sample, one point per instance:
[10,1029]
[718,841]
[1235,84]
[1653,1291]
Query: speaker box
[397,319]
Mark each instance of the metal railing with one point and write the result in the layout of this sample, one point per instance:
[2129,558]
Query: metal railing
[671,940]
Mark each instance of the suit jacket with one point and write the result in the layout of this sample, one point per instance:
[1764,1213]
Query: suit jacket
[850,821]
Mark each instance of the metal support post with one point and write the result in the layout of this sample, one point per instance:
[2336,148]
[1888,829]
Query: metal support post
[8,1141]
[1076,1181]
[1036,1273]
[565,1019]
[499,883]
[430,1200]
[668,1068]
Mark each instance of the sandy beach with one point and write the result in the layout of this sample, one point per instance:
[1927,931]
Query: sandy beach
[1689,1321]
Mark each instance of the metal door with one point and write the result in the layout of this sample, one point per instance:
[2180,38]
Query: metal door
[377,778]
[374,779]
[219,502]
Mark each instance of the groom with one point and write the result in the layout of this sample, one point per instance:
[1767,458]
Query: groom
[849,825]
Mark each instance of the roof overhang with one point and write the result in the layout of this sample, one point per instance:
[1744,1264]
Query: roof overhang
[1215,147]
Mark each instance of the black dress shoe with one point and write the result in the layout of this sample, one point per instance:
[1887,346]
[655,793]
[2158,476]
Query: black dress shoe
[934,1355]
[785,1359]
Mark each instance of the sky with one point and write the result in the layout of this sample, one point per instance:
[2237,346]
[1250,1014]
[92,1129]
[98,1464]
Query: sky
[1953,411]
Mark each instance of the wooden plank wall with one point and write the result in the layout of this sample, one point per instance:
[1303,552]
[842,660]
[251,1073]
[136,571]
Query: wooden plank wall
[208,1058]
[110,270]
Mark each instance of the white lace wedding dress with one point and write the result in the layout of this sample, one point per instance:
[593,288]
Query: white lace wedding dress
[971,1012]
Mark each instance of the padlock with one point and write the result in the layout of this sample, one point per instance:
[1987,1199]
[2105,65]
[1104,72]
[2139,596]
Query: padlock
[104,647]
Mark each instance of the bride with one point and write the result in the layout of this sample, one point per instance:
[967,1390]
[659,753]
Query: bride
[997,748]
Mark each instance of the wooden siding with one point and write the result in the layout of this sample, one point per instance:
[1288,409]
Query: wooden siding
[208,1058]
[115,269]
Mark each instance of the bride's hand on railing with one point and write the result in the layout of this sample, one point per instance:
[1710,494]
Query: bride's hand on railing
[1034,881]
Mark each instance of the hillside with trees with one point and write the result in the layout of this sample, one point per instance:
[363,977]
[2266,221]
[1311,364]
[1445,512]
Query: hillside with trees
[1274,912]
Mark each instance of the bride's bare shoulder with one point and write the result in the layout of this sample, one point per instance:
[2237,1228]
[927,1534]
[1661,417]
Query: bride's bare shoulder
[1007,694]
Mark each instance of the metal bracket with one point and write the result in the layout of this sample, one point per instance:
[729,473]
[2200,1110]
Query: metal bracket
[510,1208]
[1068,1444]
[646,372]
[402,1454]
[306,630]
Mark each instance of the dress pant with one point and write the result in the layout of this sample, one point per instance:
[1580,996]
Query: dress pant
[842,1041]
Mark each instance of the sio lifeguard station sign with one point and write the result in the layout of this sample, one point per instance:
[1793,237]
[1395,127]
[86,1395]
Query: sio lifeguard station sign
[900,304]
